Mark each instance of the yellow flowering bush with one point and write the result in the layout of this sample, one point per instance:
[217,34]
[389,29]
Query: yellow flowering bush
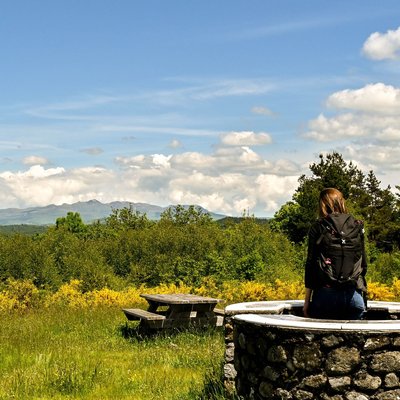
[22,295]
[396,289]
[170,288]
[108,297]
[69,294]
[104,297]
[208,288]
[19,295]
[253,291]
[287,291]
[7,303]
[380,291]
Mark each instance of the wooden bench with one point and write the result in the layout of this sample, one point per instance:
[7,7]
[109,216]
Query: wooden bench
[136,314]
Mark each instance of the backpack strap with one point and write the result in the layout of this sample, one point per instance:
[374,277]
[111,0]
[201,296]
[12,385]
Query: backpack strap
[327,226]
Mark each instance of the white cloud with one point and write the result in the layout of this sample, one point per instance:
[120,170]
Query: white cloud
[154,161]
[245,138]
[375,98]
[211,89]
[381,46]
[389,134]
[189,161]
[235,193]
[372,112]
[61,110]
[35,171]
[365,128]
[352,126]
[87,108]
[33,160]
[274,189]
[376,157]
[226,192]
[336,128]
[228,181]
[161,161]
[261,110]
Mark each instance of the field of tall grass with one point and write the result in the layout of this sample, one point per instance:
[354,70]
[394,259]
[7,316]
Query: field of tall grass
[69,353]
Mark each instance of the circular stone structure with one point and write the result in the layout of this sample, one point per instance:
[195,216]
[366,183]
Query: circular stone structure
[273,352]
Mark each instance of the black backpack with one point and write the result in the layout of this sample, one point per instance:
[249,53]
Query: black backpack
[340,249]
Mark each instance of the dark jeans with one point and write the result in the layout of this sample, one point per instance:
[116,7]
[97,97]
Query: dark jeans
[337,303]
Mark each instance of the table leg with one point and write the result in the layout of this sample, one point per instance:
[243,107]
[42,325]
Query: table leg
[153,305]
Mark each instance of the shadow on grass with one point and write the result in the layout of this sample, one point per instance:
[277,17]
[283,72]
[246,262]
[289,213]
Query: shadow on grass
[132,330]
[135,332]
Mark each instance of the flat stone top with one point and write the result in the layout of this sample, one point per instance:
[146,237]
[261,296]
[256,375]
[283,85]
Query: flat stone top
[294,322]
[277,307]
[262,307]
[270,313]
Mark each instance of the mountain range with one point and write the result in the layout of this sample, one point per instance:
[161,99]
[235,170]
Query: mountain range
[90,211]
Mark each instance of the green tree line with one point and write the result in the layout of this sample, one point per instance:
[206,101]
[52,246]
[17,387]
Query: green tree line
[187,246]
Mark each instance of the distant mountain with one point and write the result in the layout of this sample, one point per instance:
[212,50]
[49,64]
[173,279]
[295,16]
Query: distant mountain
[90,211]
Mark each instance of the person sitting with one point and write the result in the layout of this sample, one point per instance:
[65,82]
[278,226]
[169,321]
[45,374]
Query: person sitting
[336,264]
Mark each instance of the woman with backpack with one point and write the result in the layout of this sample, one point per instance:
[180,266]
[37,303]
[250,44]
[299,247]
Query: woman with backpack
[336,264]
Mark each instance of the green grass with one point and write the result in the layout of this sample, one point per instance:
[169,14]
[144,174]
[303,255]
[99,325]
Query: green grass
[86,354]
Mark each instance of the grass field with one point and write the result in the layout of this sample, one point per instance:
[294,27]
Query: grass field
[66,353]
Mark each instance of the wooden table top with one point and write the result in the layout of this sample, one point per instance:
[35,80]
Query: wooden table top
[180,298]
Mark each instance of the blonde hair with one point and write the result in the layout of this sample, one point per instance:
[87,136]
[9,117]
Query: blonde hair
[331,201]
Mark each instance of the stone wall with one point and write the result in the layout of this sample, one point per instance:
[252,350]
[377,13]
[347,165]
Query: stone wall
[275,363]
[289,357]
[230,372]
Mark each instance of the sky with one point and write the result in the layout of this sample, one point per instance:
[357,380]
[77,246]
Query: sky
[222,104]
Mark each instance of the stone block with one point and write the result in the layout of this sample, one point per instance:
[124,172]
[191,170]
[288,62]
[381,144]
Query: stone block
[365,381]
[386,362]
[391,380]
[307,357]
[342,360]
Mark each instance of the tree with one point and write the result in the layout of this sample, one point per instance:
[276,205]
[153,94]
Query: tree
[382,214]
[181,215]
[127,218]
[72,222]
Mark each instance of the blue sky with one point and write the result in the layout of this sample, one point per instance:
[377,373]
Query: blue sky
[218,103]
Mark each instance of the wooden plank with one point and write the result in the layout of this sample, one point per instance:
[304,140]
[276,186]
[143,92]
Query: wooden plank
[179,298]
[138,314]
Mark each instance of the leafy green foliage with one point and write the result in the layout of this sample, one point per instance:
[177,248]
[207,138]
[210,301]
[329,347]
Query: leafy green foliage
[127,218]
[181,215]
[385,268]
[22,229]
[185,245]
[72,222]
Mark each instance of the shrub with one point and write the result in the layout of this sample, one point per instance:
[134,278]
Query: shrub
[19,295]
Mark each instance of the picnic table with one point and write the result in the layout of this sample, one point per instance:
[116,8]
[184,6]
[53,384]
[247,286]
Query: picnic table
[180,310]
